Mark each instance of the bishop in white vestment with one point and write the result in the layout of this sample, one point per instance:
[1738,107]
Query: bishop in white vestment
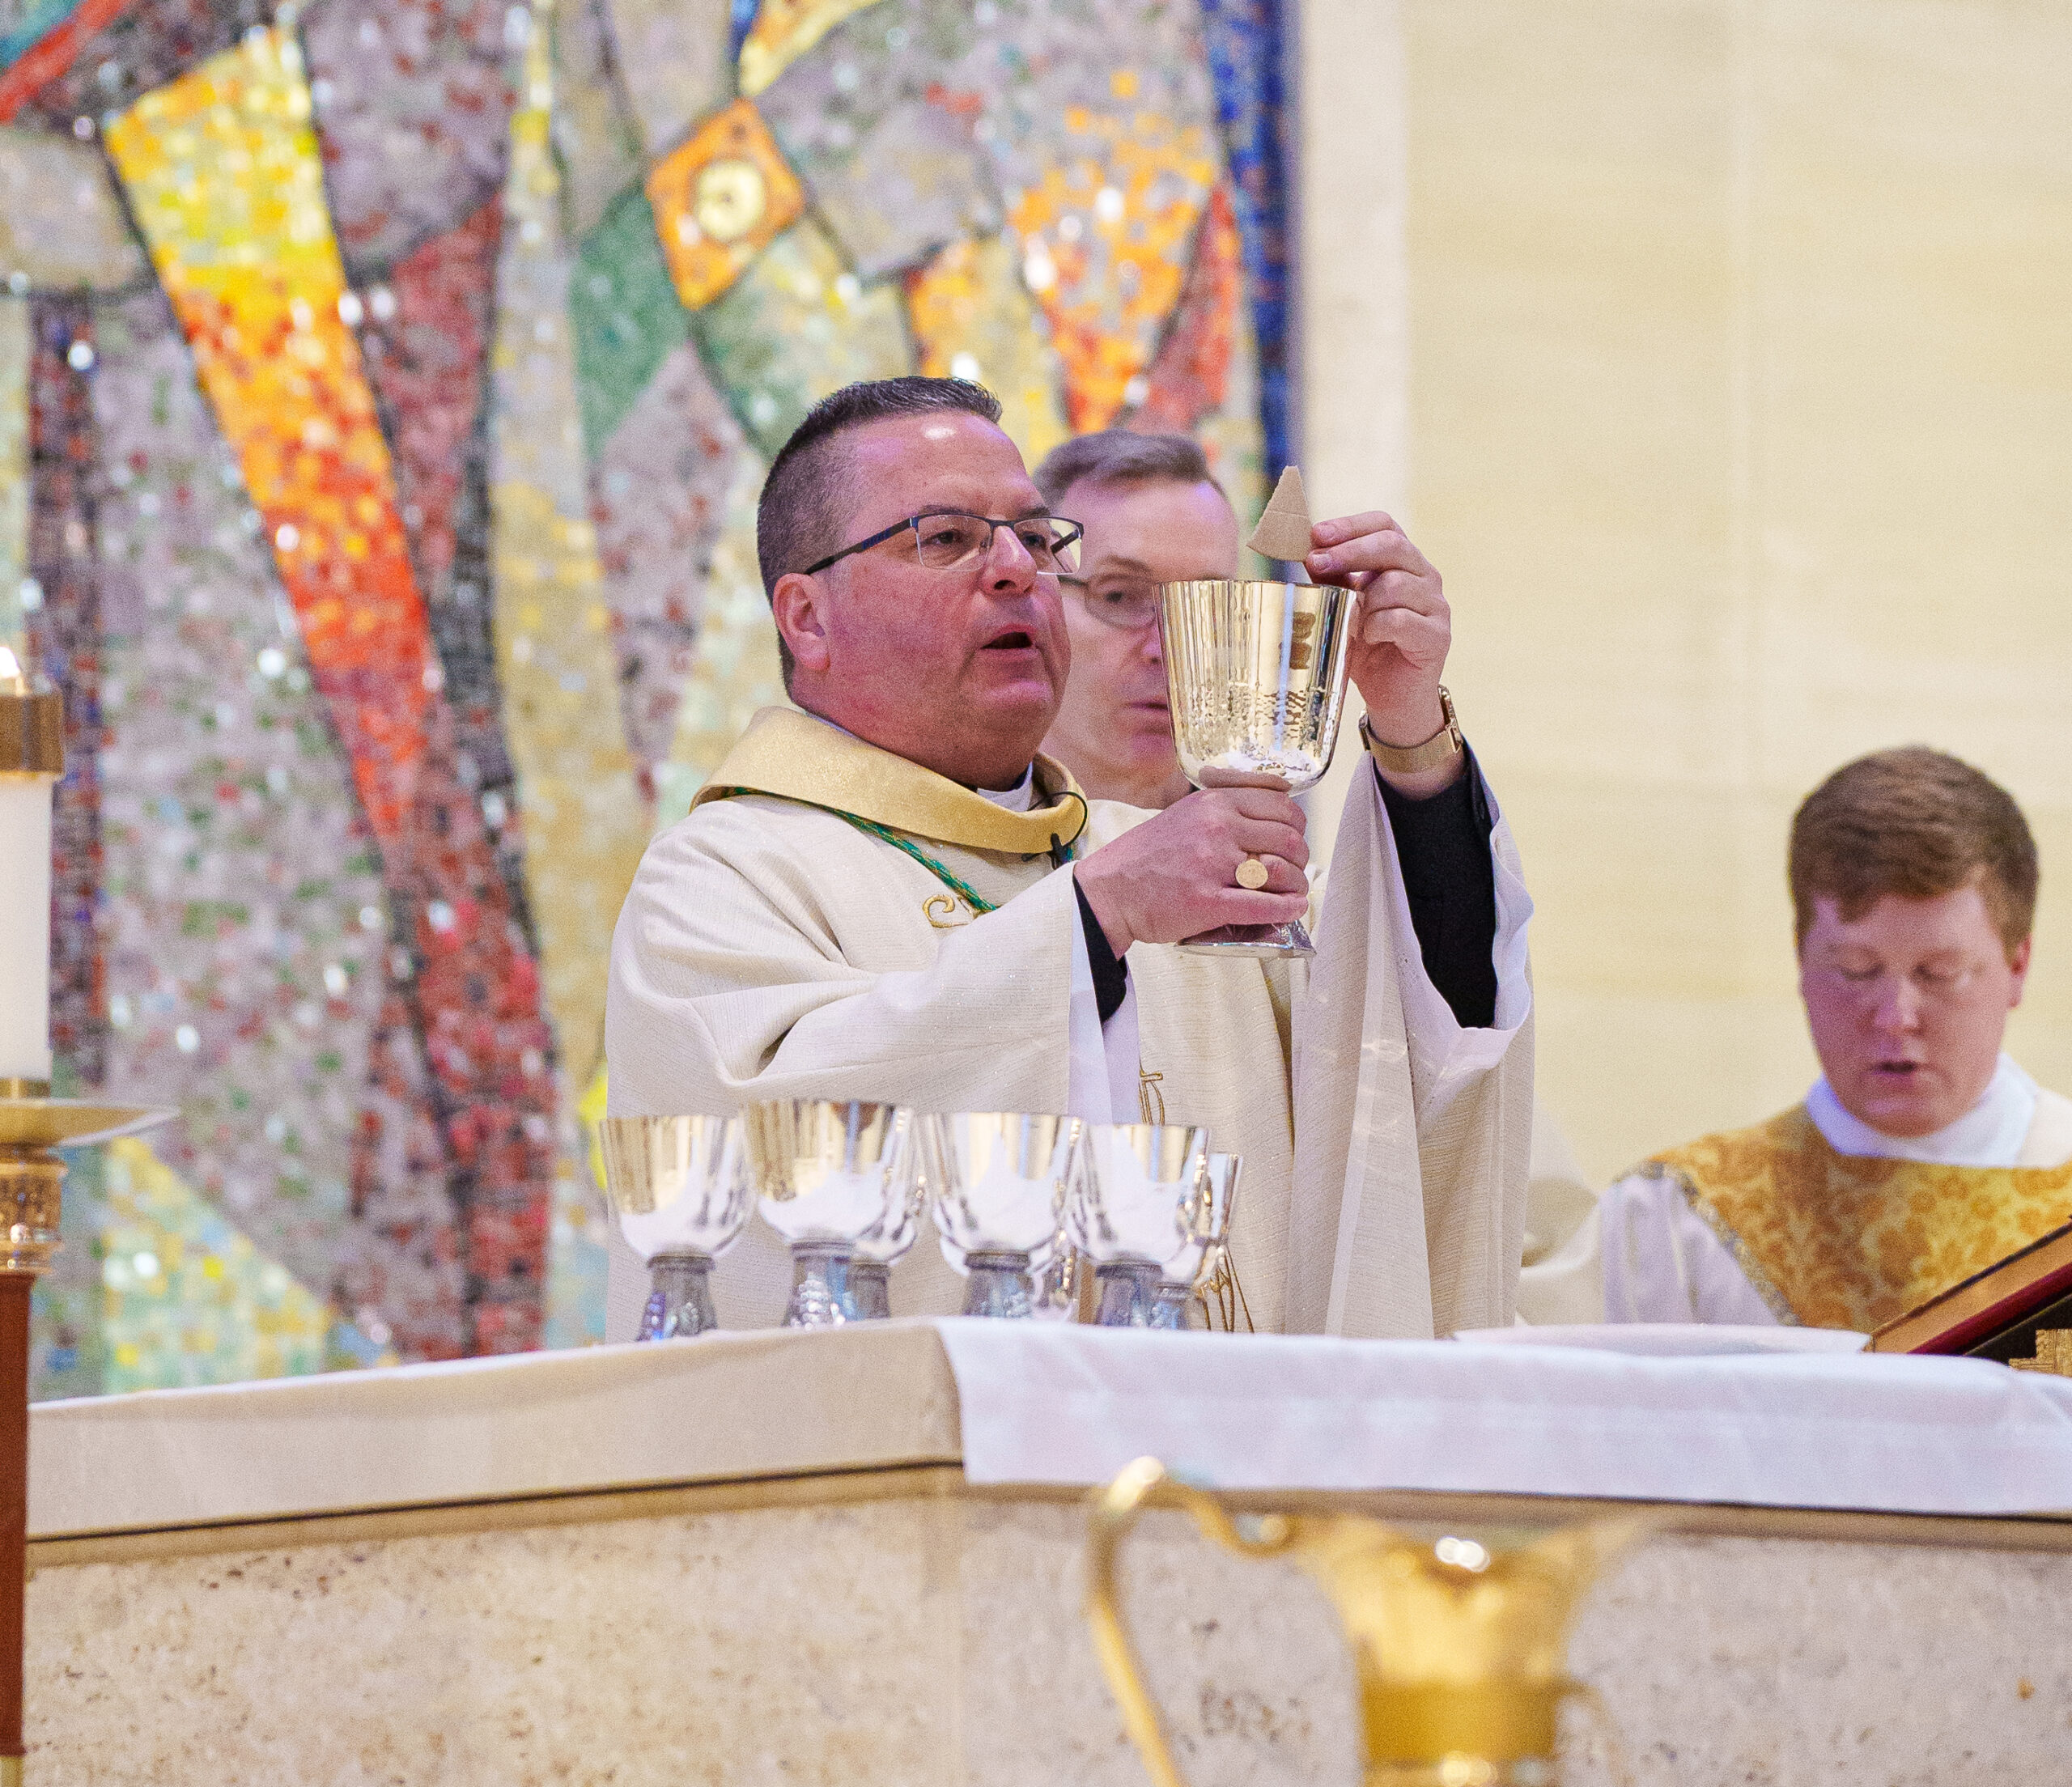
[892,897]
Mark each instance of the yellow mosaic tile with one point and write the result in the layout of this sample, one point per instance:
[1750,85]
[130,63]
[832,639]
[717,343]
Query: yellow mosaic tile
[720,200]
[585,820]
[784,31]
[972,318]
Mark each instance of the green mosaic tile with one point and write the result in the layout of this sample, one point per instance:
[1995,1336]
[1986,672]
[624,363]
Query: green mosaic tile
[624,313]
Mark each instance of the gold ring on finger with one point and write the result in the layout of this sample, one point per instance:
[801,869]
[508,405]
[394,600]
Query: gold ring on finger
[1253,874]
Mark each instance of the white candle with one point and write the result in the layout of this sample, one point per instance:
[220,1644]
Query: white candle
[25,798]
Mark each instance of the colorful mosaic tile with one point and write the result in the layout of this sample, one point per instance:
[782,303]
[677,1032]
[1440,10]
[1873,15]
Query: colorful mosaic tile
[973,318]
[658,499]
[62,225]
[110,53]
[796,326]
[412,104]
[737,671]
[720,200]
[64,640]
[675,58]
[626,314]
[586,823]
[596,136]
[890,150]
[1190,376]
[246,924]
[784,31]
[222,172]
[186,1299]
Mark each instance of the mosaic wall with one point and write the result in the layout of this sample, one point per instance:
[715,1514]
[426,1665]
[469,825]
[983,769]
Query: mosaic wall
[384,389]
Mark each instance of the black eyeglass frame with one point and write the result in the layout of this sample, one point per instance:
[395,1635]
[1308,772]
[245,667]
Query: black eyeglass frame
[992,527]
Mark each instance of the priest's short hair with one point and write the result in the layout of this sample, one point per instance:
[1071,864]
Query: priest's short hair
[1917,823]
[802,508]
[1119,456]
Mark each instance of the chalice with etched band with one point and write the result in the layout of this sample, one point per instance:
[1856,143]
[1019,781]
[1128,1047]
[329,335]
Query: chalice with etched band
[1256,678]
[680,1186]
[1206,1219]
[830,1177]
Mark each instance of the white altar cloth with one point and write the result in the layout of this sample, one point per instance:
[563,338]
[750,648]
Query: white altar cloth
[1061,1404]
[1032,1403]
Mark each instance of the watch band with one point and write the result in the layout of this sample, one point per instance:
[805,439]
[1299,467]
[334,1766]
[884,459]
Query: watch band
[1436,753]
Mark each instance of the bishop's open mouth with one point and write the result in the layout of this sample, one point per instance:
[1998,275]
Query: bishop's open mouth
[1011,642]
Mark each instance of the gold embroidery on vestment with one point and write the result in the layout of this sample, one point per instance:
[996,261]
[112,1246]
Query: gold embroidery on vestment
[1849,1241]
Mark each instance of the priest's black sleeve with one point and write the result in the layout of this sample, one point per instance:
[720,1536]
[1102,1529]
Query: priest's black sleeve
[1442,845]
[1111,973]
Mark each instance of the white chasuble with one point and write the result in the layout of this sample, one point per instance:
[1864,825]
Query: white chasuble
[771,948]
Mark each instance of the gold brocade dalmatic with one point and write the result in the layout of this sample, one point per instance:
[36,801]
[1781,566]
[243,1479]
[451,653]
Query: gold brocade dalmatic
[1847,1241]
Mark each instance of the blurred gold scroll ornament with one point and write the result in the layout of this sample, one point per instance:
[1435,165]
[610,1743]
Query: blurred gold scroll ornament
[1460,1649]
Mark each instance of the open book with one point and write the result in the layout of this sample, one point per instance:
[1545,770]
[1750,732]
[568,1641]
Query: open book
[1995,1314]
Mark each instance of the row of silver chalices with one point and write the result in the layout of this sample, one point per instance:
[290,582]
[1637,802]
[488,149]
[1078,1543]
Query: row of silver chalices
[1018,1201]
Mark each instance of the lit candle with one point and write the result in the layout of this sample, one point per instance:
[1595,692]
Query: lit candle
[32,759]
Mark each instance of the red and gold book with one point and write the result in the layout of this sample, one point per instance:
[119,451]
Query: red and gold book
[1995,1314]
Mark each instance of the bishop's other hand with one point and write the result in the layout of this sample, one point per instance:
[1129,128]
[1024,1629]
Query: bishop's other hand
[1176,875]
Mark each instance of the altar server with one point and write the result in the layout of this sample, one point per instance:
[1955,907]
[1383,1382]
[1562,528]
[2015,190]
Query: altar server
[890,895]
[1923,1154]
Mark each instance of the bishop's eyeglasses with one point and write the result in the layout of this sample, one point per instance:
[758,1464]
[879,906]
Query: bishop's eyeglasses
[948,538]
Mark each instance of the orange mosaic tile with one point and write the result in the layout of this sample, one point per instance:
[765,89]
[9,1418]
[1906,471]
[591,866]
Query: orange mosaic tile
[1104,244]
[221,171]
[720,200]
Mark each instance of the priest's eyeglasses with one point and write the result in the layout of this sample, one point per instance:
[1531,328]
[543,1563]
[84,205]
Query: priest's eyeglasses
[948,538]
[1127,604]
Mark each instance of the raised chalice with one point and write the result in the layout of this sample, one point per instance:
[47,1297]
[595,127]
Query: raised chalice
[827,1177]
[680,1186]
[998,1180]
[1135,1203]
[1256,678]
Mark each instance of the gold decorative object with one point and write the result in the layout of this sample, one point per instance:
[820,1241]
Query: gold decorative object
[1256,678]
[1461,1650]
[2053,1353]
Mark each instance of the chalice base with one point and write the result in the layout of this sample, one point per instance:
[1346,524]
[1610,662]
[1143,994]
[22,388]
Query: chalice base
[1291,939]
[1169,1306]
[1128,1294]
[681,1302]
[820,1286]
[996,1284]
[870,1290]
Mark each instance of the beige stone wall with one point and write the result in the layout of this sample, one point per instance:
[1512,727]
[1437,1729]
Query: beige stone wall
[1740,421]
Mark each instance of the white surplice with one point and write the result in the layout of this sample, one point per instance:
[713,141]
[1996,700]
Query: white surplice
[769,948]
[1646,1255]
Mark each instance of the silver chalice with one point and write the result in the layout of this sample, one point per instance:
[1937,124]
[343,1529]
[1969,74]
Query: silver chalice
[998,1180]
[1132,1210]
[680,1186]
[1207,1223]
[826,1176]
[1255,676]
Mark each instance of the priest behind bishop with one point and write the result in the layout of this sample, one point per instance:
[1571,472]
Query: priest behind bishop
[1923,1154]
[888,893]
